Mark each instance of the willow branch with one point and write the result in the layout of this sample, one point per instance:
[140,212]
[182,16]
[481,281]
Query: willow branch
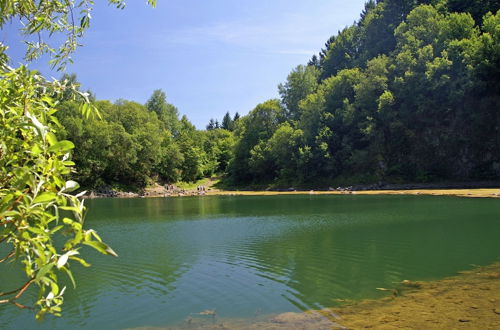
[19,291]
[24,288]
[3,239]
[20,305]
[6,301]
[10,255]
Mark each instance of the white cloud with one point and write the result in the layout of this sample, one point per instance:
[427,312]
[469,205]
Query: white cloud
[308,52]
[287,33]
[290,34]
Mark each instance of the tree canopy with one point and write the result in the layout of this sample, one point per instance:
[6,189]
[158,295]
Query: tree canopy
[407,93]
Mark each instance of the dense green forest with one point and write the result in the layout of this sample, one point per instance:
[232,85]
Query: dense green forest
[133,144]
[408,93]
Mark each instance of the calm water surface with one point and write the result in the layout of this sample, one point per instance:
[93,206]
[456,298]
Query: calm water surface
[261,255]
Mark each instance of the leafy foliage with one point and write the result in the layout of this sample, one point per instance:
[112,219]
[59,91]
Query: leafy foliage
[36,205]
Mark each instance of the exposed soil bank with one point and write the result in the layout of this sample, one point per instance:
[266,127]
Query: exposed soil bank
[470,300]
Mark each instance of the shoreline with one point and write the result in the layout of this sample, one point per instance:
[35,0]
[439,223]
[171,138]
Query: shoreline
[155,192]
[479,192]
[468,300]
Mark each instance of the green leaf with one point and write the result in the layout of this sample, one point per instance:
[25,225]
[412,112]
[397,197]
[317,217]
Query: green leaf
[4,202]
[44,197]
[36,150]
[85,109]
[70,186]
[44,270]
[36,231]
[56,121]
[51,138]
[54,287]
[62,146]
[47,99]
[81,261]
[55,229]
[64,258]
[68,221]
[101,247]
[70,275]
[70,208]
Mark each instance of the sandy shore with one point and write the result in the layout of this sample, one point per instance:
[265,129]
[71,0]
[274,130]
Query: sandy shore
[470,300]
[208,187]
[492,192]
[160,192]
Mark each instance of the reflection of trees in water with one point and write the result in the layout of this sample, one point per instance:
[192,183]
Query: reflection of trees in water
[348,255]
[143,274]
[198,208]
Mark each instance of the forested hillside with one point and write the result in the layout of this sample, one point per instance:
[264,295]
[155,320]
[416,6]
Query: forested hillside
[409,93]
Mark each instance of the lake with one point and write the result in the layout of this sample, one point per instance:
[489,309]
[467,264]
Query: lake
[251,256]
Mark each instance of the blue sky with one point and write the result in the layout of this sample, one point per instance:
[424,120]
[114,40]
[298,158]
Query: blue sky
[208,56]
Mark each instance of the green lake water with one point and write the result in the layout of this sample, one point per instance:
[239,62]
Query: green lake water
[262,255]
